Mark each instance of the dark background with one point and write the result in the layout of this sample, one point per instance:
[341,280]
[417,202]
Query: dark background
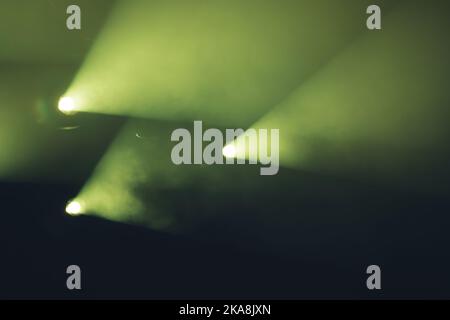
[406,235]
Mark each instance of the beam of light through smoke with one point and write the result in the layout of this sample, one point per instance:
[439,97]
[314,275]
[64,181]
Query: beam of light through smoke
[223,61]
[379,109]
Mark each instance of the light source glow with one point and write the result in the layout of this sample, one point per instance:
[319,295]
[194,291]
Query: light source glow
[229,151]
[66,105]
[74,208]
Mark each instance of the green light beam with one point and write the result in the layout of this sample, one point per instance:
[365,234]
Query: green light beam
[222,61]
[379,109]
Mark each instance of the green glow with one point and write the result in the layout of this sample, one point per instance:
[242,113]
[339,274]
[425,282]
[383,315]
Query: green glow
[222,61]
[127,183]
[378,109]
[136,159]
[25,115]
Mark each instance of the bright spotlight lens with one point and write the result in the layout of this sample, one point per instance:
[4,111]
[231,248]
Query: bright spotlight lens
[66,105]
[229,151]
[74,208]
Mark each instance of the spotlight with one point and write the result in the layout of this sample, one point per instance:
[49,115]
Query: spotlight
[229,151]
[66,105]
[74,208]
